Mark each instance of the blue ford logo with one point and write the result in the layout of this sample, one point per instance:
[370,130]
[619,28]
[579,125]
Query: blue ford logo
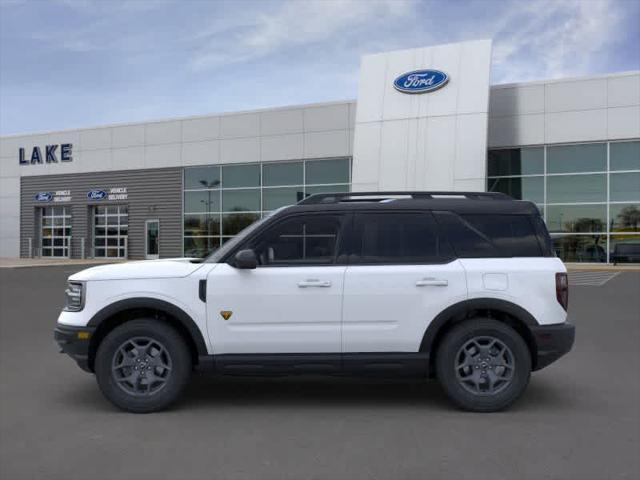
[420,81]
[97,195]
[44,196]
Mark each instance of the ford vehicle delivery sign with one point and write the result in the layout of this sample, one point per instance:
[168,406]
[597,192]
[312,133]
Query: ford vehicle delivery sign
[420,81]
[44,196]
[97,195]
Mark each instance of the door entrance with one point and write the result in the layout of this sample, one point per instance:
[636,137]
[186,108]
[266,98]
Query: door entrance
[152,239]
[55,232]
[110,231]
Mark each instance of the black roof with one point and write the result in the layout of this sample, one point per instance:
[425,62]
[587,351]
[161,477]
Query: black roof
[459,202]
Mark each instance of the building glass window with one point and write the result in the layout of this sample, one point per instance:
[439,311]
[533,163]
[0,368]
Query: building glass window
[219,201]
[624,187]
[520,188]
[516,161]
[590,157]
[588,194]
[625,155]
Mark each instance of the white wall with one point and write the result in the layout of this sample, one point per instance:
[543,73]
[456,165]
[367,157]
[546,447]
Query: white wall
[430,141]
[571,110]
[307,131]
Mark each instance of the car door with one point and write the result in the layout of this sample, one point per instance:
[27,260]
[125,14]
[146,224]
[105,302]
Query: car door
[290,303]
[401,274]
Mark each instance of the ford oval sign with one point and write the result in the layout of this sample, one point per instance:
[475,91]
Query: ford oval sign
[44,196]
[420,81]
[97,195]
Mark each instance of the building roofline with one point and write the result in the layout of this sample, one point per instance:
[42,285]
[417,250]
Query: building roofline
[180,119]
[566,79]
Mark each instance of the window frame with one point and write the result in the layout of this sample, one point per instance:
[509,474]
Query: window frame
[341,240]
[352,258]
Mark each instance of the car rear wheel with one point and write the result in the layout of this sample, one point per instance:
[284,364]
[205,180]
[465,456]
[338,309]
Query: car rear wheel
[483,365]
[142,365]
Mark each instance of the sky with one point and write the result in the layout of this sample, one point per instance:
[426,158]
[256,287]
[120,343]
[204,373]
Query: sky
[79,63]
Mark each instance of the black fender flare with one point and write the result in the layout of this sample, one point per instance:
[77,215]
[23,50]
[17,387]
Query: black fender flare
[154,304]
[461,309]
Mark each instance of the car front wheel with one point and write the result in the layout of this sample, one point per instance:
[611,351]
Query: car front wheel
[483,365]
[142,365]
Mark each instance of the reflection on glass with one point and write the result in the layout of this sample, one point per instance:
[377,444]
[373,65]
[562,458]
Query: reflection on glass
[576,218]
[232,224]
[624,217]
[241,200]
[624,187]
[204,201]
[234,176]
[200,246]
[202,225]
[590,157]
[273,198]
[624,249]
[202,177]
[516,161]
[327,171]
[524,188]
[286,173]
[327,189]
[580,248]
[576,188]
[624,155]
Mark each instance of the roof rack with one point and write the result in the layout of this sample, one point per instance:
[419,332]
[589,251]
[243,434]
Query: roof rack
[380,196]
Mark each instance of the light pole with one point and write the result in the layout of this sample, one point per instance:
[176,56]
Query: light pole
[209,186]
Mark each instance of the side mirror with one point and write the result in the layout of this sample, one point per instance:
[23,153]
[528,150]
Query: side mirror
[246,259]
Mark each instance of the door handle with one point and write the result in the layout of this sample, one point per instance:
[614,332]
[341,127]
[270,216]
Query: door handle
[312,282]
[432,282]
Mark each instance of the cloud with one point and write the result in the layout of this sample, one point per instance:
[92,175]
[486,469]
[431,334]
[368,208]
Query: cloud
[288,25]
[549,39]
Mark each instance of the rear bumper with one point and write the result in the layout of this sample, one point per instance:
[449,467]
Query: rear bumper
[552,342]
[74,341]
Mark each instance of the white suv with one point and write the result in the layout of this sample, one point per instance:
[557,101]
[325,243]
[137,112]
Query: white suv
[460,286]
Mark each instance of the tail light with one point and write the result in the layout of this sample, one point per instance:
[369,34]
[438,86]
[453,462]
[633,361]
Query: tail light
[562,289]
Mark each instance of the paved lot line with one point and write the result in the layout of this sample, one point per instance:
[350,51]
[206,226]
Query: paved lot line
[596,279]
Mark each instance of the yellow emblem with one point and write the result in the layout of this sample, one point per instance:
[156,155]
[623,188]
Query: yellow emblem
[226,314]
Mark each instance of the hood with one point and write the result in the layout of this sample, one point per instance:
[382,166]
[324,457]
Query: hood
[165,268]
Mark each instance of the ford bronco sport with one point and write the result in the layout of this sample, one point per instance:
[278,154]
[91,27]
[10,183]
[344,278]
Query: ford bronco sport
[463,287]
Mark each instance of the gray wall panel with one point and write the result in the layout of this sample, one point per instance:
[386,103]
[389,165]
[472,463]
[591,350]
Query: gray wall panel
[152,193]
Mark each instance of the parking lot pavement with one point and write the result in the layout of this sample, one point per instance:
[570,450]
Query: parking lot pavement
[579,419]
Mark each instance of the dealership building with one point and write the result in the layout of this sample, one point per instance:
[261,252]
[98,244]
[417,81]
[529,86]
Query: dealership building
[424,119]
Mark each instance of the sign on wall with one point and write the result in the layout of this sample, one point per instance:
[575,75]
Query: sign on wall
[57,196]
[52,153]
[116,193]
[420,81]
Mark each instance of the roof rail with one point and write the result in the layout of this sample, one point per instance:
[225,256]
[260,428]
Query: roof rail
[378,196]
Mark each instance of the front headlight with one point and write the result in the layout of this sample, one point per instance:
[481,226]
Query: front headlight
[74,297]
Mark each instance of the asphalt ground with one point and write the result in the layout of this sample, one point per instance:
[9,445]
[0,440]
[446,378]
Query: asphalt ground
[579,419]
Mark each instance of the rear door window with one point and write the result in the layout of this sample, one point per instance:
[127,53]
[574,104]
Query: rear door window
[483,235]
[398,238]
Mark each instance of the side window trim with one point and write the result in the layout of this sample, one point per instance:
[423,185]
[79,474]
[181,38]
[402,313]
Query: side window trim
[353,257]
[339,239]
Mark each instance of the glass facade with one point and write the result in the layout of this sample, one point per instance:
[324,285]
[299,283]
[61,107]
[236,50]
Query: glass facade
[589,194]
[221,200]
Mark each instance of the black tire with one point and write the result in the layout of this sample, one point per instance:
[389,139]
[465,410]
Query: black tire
[456,348]
[170,369]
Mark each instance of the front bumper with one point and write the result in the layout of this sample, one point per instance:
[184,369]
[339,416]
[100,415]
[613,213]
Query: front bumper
[74,341]
[552,342]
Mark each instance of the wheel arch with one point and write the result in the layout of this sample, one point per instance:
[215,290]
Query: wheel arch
[502,310]
[117,313]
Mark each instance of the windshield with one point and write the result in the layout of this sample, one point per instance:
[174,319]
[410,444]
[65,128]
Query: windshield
[217,255]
